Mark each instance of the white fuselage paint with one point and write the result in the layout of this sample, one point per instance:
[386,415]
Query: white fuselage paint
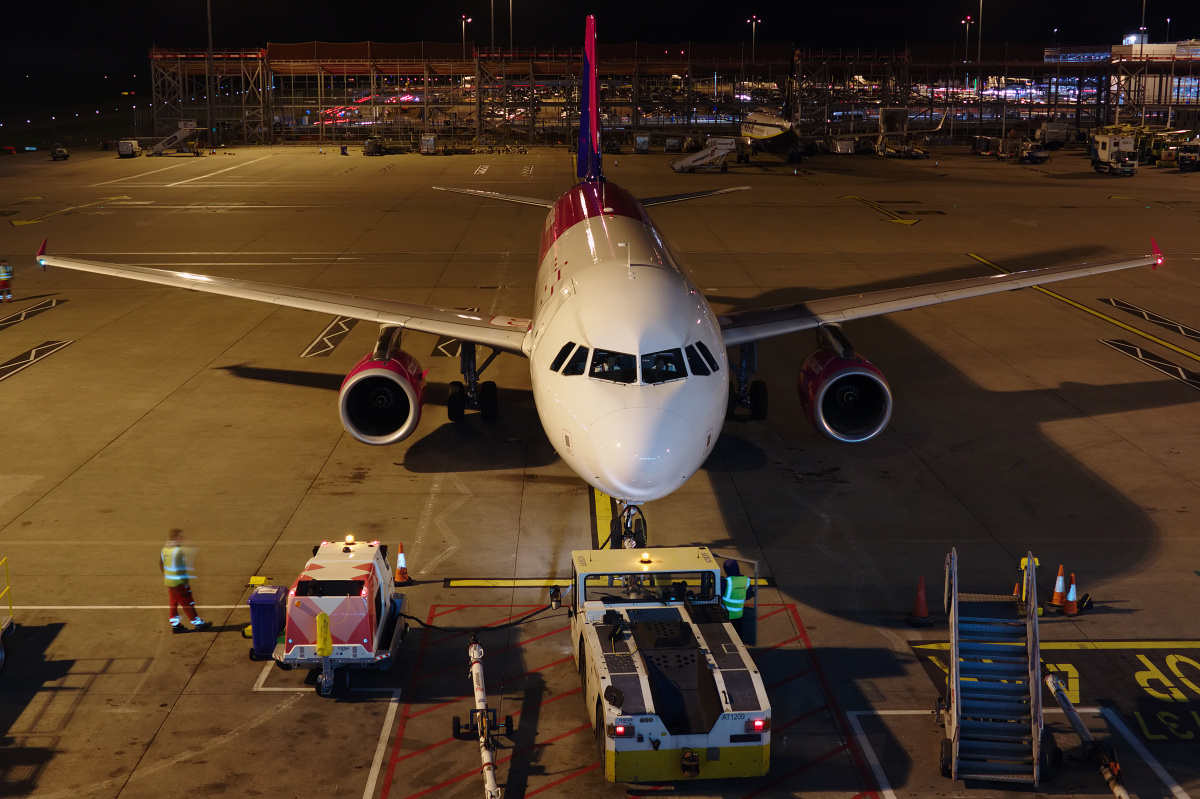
[607,281]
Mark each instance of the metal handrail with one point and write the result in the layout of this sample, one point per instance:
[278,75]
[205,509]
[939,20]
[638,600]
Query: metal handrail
[951,593]
[1029,594]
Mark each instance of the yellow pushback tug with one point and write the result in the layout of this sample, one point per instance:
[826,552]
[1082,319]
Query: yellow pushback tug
[669,686]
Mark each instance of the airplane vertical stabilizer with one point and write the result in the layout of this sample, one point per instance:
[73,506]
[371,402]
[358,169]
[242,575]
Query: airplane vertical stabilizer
[588,162]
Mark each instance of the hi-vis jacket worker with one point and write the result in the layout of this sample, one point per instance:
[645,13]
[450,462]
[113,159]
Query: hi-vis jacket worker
[173,561]
[734,590]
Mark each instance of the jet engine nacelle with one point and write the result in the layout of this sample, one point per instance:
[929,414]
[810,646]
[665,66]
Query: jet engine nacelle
[847,399]
[380,401]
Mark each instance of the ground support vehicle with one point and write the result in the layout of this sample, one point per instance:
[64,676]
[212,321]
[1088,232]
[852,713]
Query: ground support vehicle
[670,689]
[1033,152]
[1114,154]
[128,148]
[376,146]
[711,157]
[59,153]
[1188,155]
[342,613]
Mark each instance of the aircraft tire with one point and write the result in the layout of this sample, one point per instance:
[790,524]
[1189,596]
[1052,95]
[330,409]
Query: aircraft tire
[489,402]
[758,400]
[456,401]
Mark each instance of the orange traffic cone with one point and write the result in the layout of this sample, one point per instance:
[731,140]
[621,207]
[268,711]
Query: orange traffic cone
[920,613]
[1016,589]
[1057,599]
[1070,607]
[401,566]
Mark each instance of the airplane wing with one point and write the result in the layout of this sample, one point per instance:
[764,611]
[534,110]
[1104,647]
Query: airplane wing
[499,332]
[494,195]
[743,327]
[691,195]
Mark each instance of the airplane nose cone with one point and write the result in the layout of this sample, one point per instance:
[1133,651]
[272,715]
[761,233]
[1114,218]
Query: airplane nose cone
[642,454]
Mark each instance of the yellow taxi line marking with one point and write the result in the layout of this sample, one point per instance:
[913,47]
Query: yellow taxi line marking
[893,216]
[1095,313]
[1094,645]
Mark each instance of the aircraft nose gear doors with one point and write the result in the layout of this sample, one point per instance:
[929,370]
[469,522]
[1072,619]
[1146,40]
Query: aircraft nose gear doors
[630,524]
[473,394]
[747,393]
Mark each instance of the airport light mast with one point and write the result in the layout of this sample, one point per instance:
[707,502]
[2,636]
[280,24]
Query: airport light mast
[753,22]
[465,20]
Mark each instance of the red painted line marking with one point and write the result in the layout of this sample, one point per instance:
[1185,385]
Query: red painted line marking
[386,787]
[502,620]
[776,612]
[500,761]
[449,609]
[789,679]
[578,773]
[493,686]
[793,639]
[864,774]
[799,718]
[541,704]
[794,772]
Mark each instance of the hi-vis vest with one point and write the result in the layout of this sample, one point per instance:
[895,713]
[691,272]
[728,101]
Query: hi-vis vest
[174,563]
[5,272]
[734,598]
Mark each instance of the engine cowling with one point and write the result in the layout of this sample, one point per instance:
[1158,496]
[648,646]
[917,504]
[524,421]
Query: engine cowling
[847,399]
[380,401]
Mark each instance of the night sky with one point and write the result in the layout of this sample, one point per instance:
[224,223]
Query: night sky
[55,50]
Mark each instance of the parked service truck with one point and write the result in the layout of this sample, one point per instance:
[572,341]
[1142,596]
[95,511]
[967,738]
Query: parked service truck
[1188,155]
[1114,153]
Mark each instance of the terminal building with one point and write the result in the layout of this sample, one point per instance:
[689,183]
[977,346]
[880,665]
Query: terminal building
[319,92]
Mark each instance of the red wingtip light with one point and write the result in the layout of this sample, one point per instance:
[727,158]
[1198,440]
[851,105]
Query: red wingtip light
[1158,253]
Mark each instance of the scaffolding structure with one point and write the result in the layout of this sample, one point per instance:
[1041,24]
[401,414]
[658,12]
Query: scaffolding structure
[332,93]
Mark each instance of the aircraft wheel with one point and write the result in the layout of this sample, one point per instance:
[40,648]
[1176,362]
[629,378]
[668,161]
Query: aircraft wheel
[489,403]
[456,401]
[758,400]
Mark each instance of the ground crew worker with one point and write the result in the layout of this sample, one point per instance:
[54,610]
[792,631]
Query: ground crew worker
[734,590]
[5,280]
[174,564]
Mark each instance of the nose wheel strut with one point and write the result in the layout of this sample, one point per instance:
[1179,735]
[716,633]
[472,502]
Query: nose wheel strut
[630,524]
[744,392]
[470,392]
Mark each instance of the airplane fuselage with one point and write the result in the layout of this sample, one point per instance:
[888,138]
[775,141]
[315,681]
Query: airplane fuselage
[628,370]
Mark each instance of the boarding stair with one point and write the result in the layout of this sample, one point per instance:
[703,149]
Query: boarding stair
[993,705]
[710,157]
[177,139]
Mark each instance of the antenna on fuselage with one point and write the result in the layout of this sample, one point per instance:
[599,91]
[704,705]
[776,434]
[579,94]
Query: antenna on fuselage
[628,257]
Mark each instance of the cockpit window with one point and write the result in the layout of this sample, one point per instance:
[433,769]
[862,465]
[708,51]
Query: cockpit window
[557,363]
[708,356]
[578,362]
[695,362]
[659,367]
[618,367]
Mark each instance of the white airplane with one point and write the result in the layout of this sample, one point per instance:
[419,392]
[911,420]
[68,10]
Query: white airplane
[627,360]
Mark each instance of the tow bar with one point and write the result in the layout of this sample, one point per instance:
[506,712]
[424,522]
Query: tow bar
[483,722]
[1110,770]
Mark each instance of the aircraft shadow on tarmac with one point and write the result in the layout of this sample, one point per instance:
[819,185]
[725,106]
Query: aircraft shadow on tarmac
[30,677]
[513,441]
[815,514]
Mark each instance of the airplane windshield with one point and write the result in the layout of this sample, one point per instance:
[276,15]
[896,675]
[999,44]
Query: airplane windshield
[557,363]
[578,362]
[696,363]
[618,367]
[661,367]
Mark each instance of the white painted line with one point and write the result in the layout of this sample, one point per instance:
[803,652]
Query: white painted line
[140,175]
[880,777]
[121,607]
[1109,715]
[384,734]
[219,171]
[262,678]
[1114,720]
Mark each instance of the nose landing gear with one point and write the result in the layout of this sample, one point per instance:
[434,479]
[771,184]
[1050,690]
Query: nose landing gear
[630,524]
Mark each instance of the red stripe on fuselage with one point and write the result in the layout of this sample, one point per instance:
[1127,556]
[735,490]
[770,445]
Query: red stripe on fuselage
[586,201]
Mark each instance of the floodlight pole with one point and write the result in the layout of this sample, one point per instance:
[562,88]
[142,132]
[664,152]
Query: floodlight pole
[211,138]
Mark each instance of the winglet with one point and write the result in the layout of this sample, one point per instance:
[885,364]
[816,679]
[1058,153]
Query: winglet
[42,251]
[1157,252]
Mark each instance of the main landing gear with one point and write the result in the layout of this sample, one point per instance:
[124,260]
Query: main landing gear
[630,524]
[747,393]
[473,394]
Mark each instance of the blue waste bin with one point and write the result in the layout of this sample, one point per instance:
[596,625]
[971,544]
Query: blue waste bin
[345,149]
[268,606]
